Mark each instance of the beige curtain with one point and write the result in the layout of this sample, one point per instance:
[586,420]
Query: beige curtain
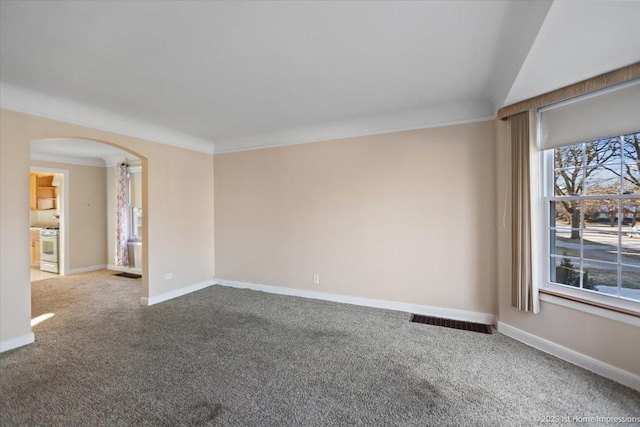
[523,293]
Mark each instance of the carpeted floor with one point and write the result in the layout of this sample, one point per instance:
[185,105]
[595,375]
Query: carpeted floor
[225,356]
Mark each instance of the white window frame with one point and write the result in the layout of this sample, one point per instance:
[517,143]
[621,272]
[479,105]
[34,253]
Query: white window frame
[131,170]
[546,190]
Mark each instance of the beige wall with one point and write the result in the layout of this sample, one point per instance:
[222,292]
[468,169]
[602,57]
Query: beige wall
[178,215]
[407,217]
[410,217]
[87,213]
[609,341]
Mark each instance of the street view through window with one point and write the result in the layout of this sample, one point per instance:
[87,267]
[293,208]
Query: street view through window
[594,216]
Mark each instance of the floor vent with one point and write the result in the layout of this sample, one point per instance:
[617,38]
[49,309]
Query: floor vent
[450,323]
[129,275]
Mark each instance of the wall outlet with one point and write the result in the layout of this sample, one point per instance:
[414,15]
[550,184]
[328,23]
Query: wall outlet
[168,276]
[316,279]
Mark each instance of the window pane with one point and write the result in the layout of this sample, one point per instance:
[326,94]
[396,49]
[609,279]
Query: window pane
[603,180]
[630,282]
[558,215]
[631,232]
[631,184]
[568,182]
[565,214]
[630,212]
[565,271]
[568,157]
[603,151]
[631,170]
[631,151]
[601,214]
[136,223]
[565,242]
[601,277]
[602,246]
[594,244]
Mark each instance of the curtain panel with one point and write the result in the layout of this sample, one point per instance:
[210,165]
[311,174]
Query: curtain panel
[121,256]
[524,295]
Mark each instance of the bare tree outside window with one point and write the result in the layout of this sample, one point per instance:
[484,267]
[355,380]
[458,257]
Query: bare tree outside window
[594,215]
[632,172]
[574,165]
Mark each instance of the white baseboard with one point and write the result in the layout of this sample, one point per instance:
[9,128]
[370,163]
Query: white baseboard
[125,269]
[594,365]
[469,316]
[86,269]
[17,342]
[175,294]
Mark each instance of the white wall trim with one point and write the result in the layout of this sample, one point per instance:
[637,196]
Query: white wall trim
[470,316]
[125,269]
[61,158]
[10,344]
[24,100]
[594,365]
[133,168]
[86,269]
[586,308]
[439,116]
[175,293]
[27,101]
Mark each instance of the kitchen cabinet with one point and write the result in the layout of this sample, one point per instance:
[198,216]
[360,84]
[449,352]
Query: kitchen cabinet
[42,194]
[34,249]
[33,185]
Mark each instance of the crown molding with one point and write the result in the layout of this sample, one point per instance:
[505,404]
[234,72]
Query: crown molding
[83,161]
[114,160]
[24,100]
[72,160]
[27,101]
[436,116]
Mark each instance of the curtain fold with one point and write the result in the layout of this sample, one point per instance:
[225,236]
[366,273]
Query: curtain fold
[523,292]
[121,256]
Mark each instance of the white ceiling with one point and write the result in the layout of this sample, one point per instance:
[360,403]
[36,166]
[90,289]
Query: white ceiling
[576,42]
[249,74]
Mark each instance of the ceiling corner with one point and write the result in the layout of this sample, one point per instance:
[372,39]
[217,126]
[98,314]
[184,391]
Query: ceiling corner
[521,26]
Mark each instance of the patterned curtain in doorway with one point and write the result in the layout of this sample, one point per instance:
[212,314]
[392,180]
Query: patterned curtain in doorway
[121,256]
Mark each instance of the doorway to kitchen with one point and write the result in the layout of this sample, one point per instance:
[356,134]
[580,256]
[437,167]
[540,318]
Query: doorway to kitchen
[87,214]
[89,196]
[48,207]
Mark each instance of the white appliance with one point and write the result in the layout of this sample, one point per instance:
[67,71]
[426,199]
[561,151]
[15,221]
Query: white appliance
[49,249]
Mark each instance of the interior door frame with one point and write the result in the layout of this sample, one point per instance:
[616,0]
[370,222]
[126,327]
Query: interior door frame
[63,240]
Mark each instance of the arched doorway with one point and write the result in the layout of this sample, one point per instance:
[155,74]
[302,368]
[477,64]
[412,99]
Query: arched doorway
[178,254]
[85,200]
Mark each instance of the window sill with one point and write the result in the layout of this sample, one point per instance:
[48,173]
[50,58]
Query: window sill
[624,315]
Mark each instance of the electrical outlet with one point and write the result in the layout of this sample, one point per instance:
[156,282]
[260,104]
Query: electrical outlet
[316,279]
[168,276]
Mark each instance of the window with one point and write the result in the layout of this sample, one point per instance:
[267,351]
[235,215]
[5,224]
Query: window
[134,188]
[592,197]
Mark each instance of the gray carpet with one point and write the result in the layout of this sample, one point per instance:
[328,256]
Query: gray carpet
[225,356]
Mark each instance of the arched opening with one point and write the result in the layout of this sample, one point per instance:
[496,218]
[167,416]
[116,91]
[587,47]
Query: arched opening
[86,196]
